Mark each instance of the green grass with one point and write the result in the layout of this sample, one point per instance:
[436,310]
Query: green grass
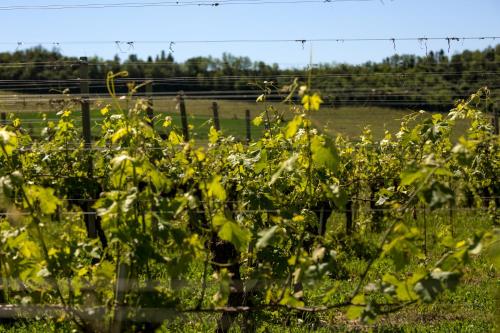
[347,121]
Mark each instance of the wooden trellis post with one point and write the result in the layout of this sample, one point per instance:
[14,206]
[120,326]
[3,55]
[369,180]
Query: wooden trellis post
[248,126]
[3,118]
[184,121]
[149,97]
[90,221]
[495,120]
[84,94]
[215,110]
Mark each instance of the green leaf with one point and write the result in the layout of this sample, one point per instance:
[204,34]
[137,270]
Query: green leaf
[428,289]
[408,177]
[443,172]
[215,189]
[219,220]
[293,126]
[435,283]
[43,198]
[257,120]
[213,135]
[285,166]
[122,132]
[390,278]
[122,162]
[358,299]
[235,235]
[323,155]
[335,193]
[8,142]
[6,190]
[105,110]
[265,237]
[354,312]
[158,179]
[448,279]
[122,166]
[174,138]
[292,301]
[29,249]
[262,163]
[438,195]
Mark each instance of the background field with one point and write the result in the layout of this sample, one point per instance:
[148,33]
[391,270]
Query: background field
[347,121]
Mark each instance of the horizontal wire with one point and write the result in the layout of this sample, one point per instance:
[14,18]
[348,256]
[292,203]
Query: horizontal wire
[407,71]
[251,97]
[100,84]
[243,202]
[405,90]
[471,209]
[22,91]
[254,66]
[220,63]
[165,4]
[217,64]
[448,39]
[47,92]
[334,105]
[170,95]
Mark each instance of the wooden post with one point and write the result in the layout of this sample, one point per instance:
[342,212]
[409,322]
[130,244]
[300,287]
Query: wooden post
[121,290]
[450,213]
[377,212]
[3,118]
[182,109]
[90,221]
[348,215]
[249,128]
[149,110]
[425,230]
[495,120]
[215,109]
[84,92]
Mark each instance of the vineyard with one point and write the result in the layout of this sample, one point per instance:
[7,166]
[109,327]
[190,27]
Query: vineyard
[149,228]
[252,166]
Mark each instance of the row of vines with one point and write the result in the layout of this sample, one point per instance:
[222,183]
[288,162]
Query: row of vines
[137,229]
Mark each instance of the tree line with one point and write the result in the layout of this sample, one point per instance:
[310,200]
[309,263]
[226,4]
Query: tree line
[433,81]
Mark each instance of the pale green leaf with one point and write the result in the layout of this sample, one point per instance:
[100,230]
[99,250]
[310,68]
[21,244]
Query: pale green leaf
[234,234]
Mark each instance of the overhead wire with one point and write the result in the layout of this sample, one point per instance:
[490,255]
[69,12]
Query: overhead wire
[212,75]
[448,39]
[184,3]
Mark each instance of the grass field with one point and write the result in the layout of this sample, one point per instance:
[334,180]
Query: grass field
[347,121]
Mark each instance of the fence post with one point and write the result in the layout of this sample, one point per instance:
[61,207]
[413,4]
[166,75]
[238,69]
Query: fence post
[248,127]
[84,94]
[182,109]
[348,216]
[90,221]
[425,230]
[3,118]
[495,119]
[149,110]
[215,109]
[121,290]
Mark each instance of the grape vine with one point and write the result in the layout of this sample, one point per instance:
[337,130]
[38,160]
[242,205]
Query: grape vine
[236,229]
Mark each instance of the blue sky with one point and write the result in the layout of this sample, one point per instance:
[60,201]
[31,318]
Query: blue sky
[385,19]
